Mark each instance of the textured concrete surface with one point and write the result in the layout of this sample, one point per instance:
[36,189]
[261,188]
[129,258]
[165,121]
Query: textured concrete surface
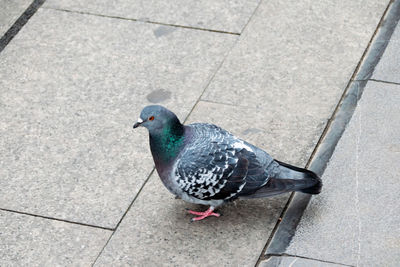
[157,231]
[33,241]
[72,84]
[72,87]
[297,57]
[222,15]
[287,261]
[10,10]
[388,68]
[358,207]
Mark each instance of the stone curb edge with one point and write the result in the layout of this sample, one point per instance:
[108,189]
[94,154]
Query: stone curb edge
[285,229]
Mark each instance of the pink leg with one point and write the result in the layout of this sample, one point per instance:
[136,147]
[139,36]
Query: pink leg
[204,214]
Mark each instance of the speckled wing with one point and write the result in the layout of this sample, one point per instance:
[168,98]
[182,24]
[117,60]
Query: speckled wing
[217,165]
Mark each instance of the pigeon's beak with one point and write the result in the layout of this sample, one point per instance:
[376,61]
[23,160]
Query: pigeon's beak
[138,123]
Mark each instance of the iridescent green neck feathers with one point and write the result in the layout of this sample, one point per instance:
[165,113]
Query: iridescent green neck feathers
[165,145]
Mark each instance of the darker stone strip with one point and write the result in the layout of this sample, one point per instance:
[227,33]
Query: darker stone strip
[284,230]
[19,23]
[379,46]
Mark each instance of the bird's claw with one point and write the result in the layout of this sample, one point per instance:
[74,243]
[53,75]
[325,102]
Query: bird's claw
[203,215]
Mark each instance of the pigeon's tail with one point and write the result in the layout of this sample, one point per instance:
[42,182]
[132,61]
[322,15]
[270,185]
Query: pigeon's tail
[289,178]
[302,180]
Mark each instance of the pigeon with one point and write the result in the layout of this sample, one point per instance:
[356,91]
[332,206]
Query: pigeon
[204,164]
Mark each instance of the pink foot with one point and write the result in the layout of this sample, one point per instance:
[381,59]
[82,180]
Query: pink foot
[204,214]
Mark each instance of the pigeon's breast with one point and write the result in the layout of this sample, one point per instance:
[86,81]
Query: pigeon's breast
[167,177]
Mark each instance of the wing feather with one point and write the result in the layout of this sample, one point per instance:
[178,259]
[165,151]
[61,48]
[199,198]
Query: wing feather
[217,165]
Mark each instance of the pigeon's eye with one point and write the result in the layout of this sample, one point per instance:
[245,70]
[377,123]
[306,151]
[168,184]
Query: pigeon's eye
[151,118]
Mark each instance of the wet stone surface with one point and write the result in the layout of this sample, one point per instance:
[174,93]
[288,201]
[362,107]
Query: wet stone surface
[158,96]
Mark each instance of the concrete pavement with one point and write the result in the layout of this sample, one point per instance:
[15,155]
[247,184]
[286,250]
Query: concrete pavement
[75,78]
[354,221]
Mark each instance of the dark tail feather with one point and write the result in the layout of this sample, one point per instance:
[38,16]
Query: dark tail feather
[314,190]
[289,178]
[310,182]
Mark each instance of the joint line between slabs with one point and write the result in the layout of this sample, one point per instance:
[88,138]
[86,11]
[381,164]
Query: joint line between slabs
[219,67]
[381,81]
[209,81]
[252,15]
[140,20]
[306,258]
[57,219]
[123,216]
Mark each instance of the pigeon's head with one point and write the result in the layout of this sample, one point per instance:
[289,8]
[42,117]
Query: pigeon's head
[155,118]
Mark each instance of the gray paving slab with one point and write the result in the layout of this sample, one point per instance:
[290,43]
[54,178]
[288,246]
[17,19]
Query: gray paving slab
[355,219]
[157,230]
[72,86]
[297,56]
[10,10]
[223,15]
[287,261]
[388,68]
[33,241]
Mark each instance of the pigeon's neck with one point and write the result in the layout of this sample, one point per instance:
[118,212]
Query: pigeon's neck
[166,144]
